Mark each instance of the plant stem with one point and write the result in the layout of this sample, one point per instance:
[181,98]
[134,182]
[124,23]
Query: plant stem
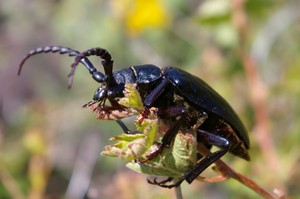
[178,191]
[227,171]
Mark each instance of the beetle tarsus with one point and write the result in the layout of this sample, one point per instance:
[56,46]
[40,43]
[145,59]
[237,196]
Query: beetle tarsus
[156,182]
[163,183]
[211,139]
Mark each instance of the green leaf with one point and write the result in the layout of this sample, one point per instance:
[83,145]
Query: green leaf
[133,146]
[174,161]
[132,99]
[128,146]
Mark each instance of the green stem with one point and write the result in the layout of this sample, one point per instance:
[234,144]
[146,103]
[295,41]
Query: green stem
[178,191]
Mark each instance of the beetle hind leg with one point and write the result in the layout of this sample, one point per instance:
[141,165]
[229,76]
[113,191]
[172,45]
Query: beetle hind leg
[210,139]
[193,173]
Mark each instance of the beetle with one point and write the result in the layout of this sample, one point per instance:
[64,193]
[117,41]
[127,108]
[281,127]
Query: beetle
[180,97]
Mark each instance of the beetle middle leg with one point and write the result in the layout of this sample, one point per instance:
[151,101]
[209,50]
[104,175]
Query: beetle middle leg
[182,115]
[166,141]
[169,136]
[166,113]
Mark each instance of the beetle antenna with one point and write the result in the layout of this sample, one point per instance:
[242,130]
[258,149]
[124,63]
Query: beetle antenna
[98,76]
[63,50]
[107,63]
[47,49]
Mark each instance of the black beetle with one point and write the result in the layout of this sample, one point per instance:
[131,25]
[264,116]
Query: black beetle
[179,96]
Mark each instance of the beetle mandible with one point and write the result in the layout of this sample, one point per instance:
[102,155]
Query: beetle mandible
[179,96]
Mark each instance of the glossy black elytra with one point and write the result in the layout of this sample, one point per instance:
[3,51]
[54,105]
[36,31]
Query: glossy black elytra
[179,96]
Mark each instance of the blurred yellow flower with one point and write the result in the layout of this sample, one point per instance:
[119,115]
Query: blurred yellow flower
[34,141]
[139,15]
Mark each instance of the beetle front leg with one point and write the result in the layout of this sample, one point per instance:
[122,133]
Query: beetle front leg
[125,128]
[194,172]
[152,97]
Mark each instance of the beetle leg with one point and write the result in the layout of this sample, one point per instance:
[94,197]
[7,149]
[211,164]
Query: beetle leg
[172,112]
[169,136]
[194,172]
[171,132]
[166,141]
[210,139]
[125,128]
[152,97]
[159,183]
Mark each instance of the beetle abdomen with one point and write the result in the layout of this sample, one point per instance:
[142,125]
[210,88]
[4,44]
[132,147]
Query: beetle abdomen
[201,95]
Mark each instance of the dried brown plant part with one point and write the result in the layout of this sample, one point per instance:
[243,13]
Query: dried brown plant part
[229,172]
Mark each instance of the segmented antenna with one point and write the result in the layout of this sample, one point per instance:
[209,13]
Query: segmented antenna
[47,49]
[80,58]
[107,62]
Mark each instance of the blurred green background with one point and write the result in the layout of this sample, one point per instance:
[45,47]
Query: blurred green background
[248,50]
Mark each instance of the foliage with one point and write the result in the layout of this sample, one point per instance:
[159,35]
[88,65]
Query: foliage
[130,147]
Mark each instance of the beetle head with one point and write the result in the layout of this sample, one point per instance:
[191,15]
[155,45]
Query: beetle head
[109,88]
[104,92]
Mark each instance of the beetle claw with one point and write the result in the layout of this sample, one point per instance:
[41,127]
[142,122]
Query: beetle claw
[163,183]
